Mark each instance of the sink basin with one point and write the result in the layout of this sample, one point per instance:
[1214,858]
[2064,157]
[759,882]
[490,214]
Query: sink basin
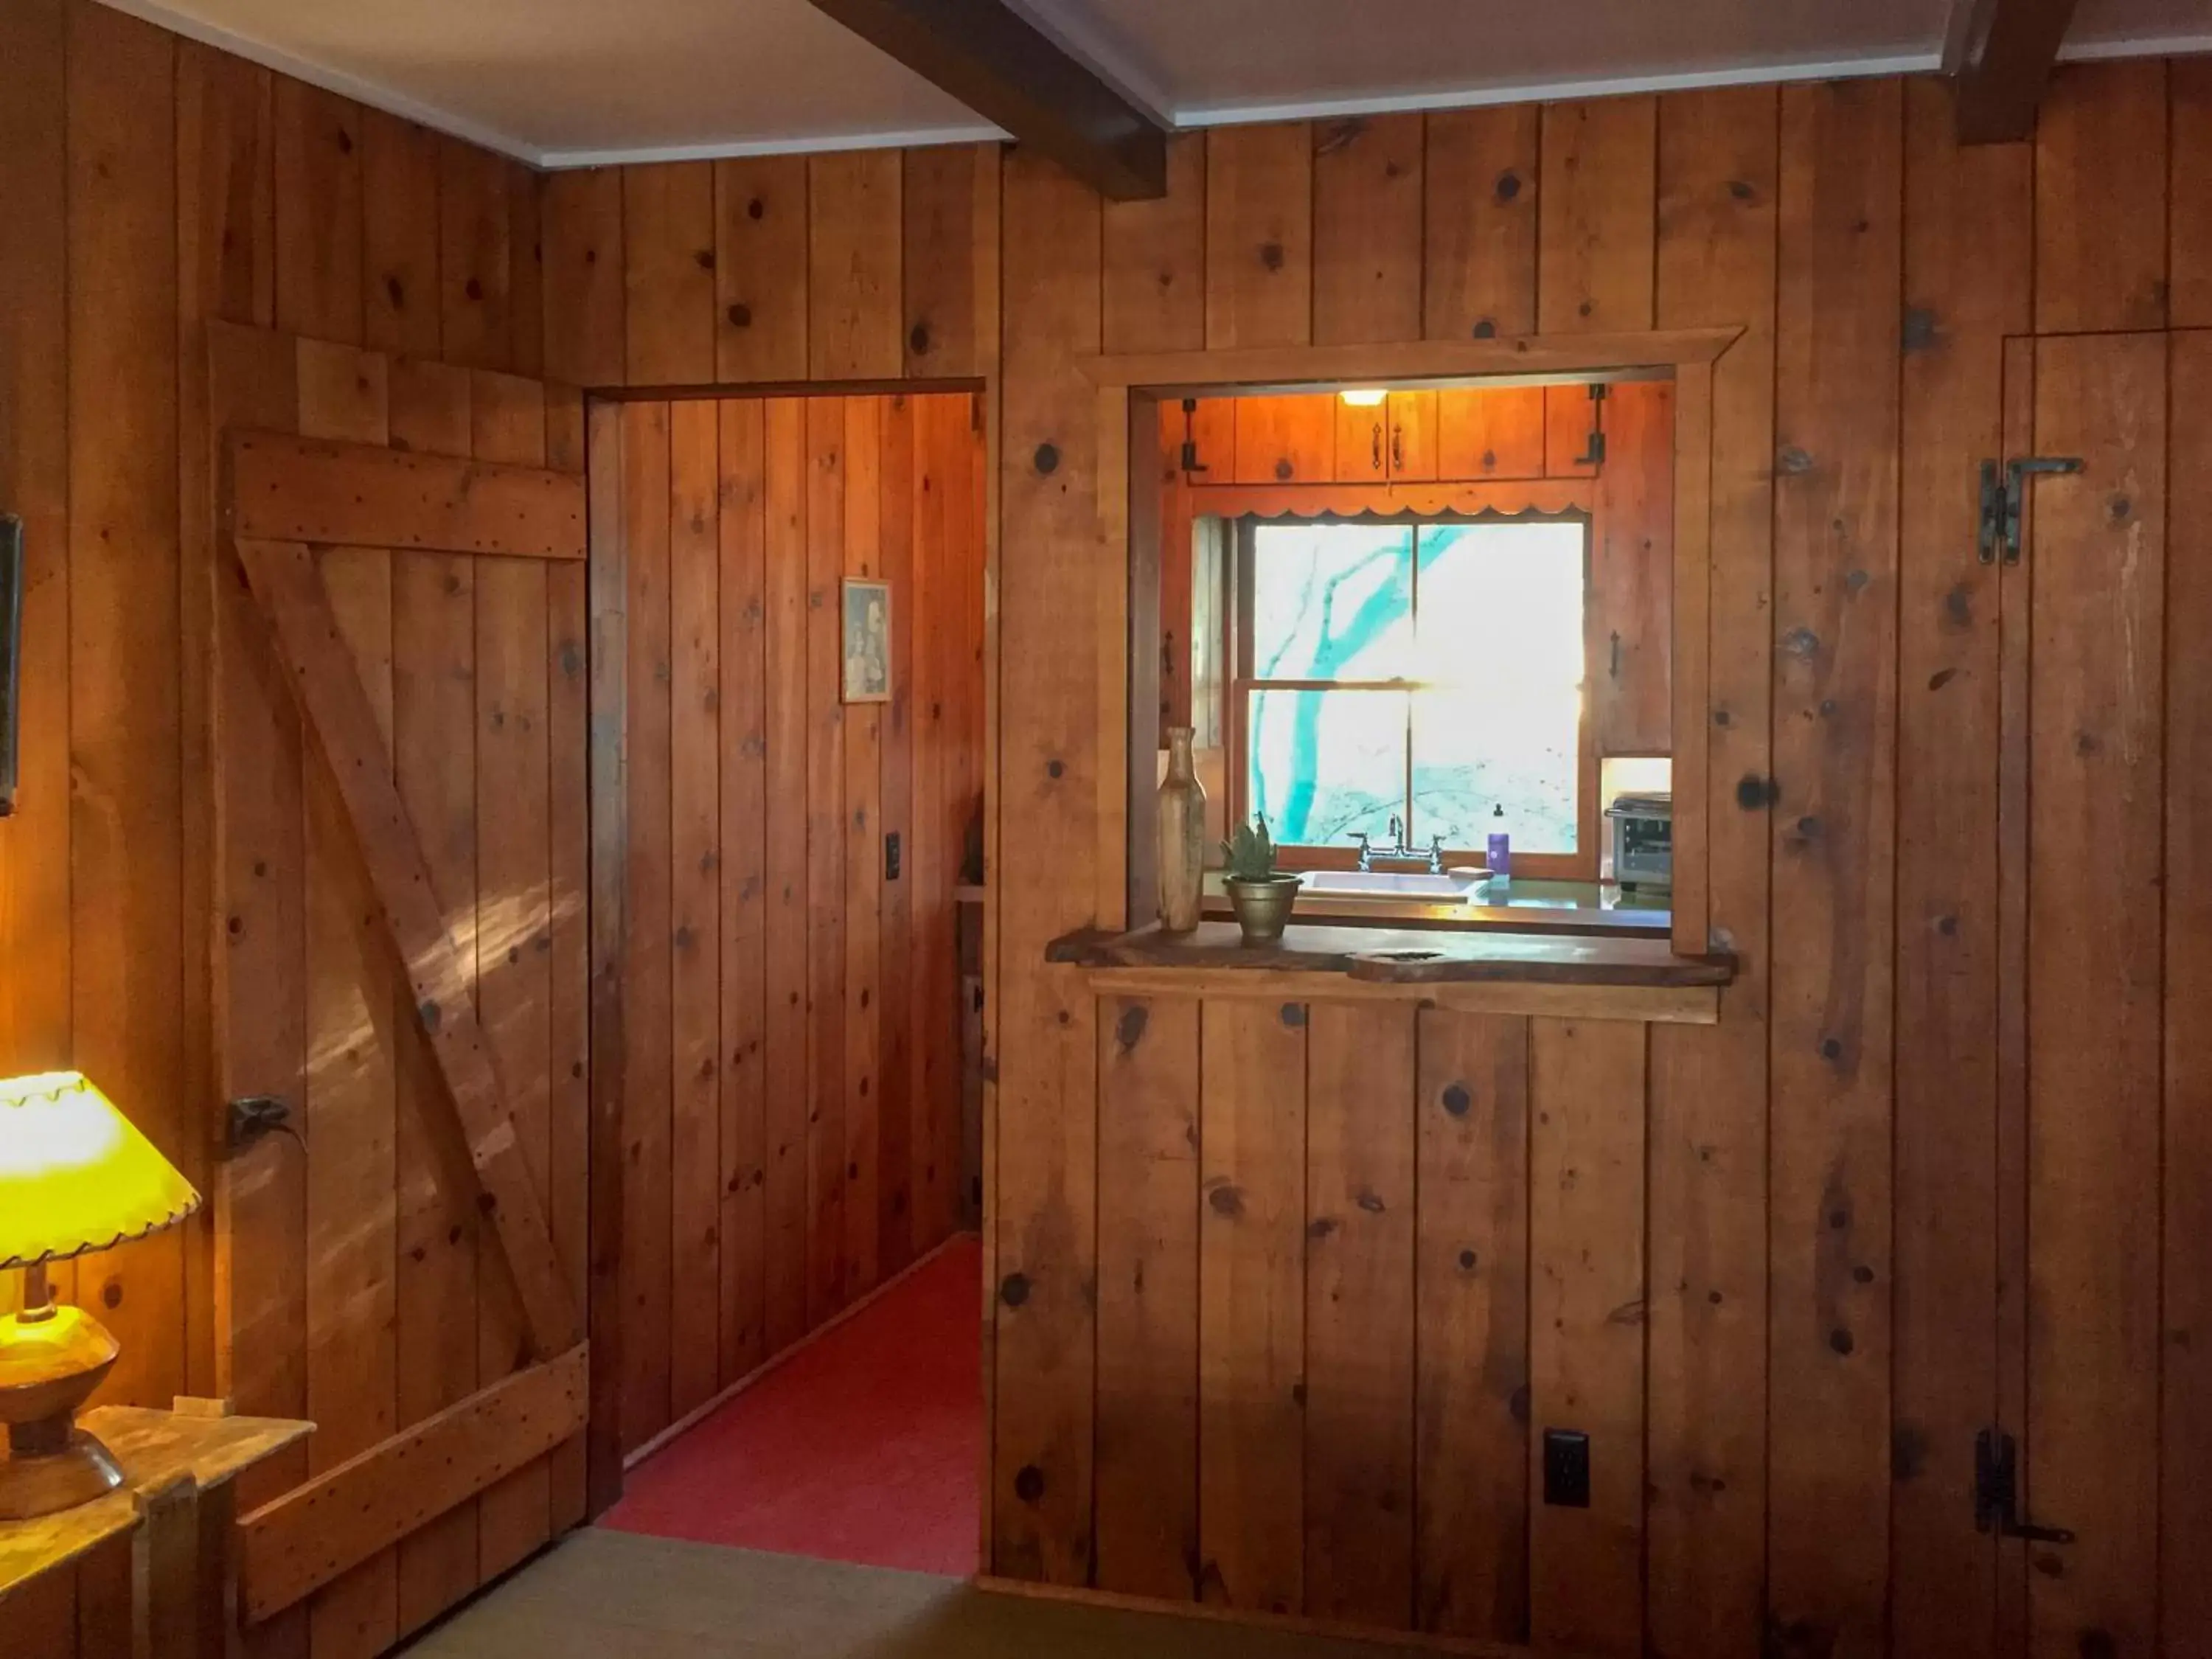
[1452,887]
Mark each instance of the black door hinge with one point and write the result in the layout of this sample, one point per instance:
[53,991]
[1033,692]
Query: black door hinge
[1594,455]
[1190,461]
[2004,501]
[1997,1492]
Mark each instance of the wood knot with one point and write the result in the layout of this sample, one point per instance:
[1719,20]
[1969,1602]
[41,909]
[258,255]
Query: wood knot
[1467,1259]
[1294,1014]
[1508,186]
[1014,1290]
[1283,469]
[1129,1029]
[740,315]
[1271,255]
[704,258]
[1226,1201]
[1485,329]
[755,209]
[1029,1483]
[1047,459]
[1792,460]
[917,339]
[1458,1102]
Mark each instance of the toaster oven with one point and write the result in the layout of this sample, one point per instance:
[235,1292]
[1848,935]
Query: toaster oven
[1640,829]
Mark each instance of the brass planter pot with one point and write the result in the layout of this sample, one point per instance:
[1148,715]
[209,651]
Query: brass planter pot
[1262,907]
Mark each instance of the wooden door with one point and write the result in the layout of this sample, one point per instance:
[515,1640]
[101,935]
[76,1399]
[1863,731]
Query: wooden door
[395,624]
[2084,796]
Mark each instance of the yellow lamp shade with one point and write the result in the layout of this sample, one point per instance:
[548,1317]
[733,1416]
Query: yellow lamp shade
[75,1176]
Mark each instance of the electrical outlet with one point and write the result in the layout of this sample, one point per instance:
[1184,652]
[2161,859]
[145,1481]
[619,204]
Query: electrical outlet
[1566,1468]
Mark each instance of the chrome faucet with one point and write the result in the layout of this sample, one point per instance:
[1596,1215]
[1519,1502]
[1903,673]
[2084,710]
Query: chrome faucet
[1398,849]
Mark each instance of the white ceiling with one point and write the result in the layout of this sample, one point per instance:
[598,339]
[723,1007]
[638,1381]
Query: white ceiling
[568,83]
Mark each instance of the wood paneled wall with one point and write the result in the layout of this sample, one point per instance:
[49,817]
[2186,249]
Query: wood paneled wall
[152,184]
[791,1127]
[1811,1387]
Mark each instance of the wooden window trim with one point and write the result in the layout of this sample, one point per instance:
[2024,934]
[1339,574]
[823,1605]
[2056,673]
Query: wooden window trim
[1580,864]
[1130,388]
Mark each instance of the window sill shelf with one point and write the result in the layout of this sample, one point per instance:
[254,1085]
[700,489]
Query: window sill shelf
[1487,972]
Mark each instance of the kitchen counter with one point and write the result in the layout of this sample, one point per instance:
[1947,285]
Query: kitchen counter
[1486,971]
[1524,906]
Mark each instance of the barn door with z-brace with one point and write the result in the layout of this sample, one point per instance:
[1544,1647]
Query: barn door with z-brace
[395,622]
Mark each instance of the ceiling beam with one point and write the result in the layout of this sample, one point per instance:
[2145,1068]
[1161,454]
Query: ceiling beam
[1001,66]
[1999,53]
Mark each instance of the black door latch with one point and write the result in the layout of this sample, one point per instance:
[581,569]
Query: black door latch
[1997,1492]
[2004,501]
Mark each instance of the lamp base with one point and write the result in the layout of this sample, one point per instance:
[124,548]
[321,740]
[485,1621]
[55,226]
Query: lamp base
[50,1358]
[46,1482]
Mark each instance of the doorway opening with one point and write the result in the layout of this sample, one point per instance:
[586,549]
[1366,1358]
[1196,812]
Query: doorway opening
[795,586]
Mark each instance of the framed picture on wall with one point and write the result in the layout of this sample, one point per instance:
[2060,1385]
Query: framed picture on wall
[867,632]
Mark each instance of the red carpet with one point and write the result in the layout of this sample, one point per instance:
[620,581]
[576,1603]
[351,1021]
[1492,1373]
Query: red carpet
[865,1445]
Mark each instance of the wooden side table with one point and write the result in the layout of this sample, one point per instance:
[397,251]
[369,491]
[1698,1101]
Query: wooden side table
[175,1508]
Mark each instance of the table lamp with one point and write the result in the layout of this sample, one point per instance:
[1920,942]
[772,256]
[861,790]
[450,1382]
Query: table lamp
[74,1176]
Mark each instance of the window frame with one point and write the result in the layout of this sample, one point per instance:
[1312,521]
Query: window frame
[1581,865]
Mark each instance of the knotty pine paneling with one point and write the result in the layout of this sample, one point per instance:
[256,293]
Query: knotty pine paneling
[1697,211]
[777,978]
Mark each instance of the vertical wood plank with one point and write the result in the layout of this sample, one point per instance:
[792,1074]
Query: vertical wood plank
[743,866]
[568,740]
[1479,217]
[668,273]
[787,466]
[760,268]
[1044,1229]
[434,732]
[862,841]
[513,849]
[1471,1309]
[1148,1257]
[1251,1304]
[1155,260]
[1259,235]
[400,294]
[606,1145]
[949,248]
[2095,752]
[126,784]
[648,971]
[1835,700]
[902,1113]
[1360,1314]
[695,909]
[1594,263]
[475,257]
[2185,1434]
[1586,1364]
[319,199]
[1967,266]
[525,269]
[1367,209]
[1706,1519]
[852,234]
[34,383]
[226,269]
[586,326]
[352,1097]
[257,1003]
[2100,207]
[2189,192]
[826,1103]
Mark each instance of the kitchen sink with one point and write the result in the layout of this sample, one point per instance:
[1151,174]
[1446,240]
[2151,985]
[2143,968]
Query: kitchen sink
[1452,887]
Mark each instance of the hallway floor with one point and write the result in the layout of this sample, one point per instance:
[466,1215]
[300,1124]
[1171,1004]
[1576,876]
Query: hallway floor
[865,1445]
[605,1595]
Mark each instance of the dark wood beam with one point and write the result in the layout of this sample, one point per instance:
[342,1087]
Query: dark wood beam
[1001,66]
[1999,52]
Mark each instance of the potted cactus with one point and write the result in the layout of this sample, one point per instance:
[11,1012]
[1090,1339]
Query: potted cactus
[1262,893]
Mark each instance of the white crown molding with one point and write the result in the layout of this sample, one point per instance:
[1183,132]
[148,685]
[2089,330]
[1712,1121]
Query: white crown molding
[330,80]
[1083,36]
[559,161]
